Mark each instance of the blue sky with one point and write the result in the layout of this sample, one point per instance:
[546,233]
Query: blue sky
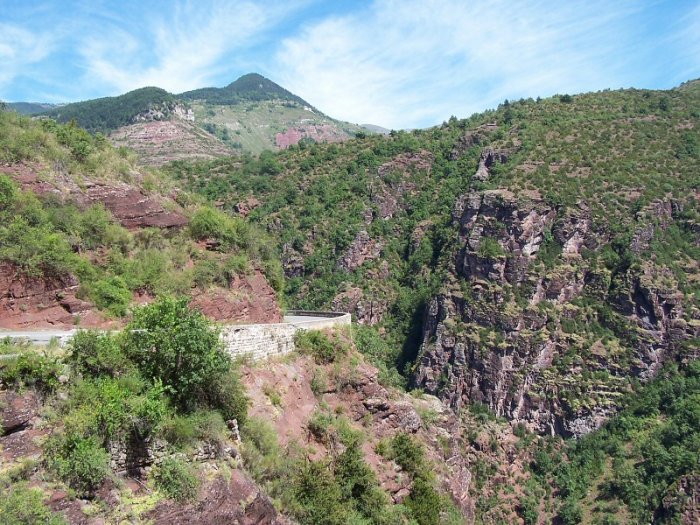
[396,63]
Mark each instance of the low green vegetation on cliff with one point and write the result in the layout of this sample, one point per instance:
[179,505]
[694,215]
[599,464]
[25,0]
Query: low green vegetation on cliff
[165,379]
[54,237]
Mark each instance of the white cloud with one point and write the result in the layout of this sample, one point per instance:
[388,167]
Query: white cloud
[414,63]
[20,49]
[187,48]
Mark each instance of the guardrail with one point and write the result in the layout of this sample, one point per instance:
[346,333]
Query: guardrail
[265,340]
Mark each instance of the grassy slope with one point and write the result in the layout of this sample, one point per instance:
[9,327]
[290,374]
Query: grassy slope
[251,126]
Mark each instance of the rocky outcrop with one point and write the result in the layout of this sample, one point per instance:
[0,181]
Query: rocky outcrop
[365,310]
[158,142]
[472,138]
[489,157]
[248,299]
[17,411]
[519,325]
[315,132]
[238,501]
[131,206]
[244,207]
[683,500]
[362,249]
[395,181]
[43,302]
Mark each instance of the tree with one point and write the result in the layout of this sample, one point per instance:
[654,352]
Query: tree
[178,346]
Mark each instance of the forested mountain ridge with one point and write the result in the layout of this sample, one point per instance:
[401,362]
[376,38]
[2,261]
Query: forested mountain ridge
[251,114]
[251,87]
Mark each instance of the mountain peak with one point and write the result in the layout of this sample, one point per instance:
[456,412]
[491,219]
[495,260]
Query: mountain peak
[251,86]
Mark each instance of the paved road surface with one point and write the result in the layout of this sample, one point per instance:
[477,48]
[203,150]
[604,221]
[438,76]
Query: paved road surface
[38,337]
[43,337]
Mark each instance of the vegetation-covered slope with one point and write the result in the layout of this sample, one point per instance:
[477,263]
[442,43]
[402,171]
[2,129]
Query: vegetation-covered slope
[107,114]
[30,108]
[251,114]
[77,219]
[381,226]
[250,87]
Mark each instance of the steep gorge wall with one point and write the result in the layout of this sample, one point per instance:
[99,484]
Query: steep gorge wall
[536,331]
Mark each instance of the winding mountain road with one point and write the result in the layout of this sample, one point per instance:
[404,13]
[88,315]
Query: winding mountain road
[44,337]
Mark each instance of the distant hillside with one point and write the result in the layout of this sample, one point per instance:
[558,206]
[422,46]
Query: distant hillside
[109,113]
[252,114]
[30,108]
[250,87]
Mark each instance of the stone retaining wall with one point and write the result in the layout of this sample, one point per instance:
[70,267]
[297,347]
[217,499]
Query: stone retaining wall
[266,340]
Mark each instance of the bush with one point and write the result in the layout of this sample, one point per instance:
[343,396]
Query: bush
[35,249]
[24,506]
[490,248]
[570,512]
[359,483]
[226,394]
[112,294]
[203,425]
[319,345]
[210,223]
[408,453]
[30,369]
[97,354]
[320,496]
[115,408]
[424,502]
[8,192]
[79,461]
[178,346]
[176,480]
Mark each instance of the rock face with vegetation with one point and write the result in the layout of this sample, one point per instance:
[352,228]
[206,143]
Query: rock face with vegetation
[539,259]
[86,233]
[546,333]
[526,289]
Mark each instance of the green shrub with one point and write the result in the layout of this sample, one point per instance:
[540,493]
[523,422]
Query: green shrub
[183,430]
[319,345]
[79,461]
[408,453]
[96,354]
[112,294]
[319,495]
[319,425]
[30,368]
[490,248]
[225,393]
[35,249]
[21,505]
[8,192]
[210,223]
[114,408]
[359,484]
[424,502]
[178,346]
[570,512]
[176,480]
